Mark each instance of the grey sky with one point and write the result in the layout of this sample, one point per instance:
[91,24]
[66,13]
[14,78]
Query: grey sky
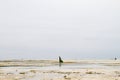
[73,29]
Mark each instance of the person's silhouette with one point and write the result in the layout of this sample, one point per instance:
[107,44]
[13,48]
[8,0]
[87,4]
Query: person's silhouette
[115,58]
[60,61]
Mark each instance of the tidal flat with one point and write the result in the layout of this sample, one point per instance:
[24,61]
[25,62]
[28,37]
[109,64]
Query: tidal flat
[50,70]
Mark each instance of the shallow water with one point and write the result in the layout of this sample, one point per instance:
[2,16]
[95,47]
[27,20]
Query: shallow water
[65,66]
[55,72]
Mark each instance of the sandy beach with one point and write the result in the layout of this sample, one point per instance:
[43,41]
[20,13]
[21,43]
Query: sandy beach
[70,70]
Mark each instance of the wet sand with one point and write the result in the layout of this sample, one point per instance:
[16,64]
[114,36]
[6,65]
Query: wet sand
[70,70]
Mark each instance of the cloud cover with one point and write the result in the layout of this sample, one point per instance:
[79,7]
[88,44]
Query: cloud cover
[45,29]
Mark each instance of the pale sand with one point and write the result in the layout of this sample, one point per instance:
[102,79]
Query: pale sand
[49,70]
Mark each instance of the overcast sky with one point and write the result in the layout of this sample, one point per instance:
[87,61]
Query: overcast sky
[46,29]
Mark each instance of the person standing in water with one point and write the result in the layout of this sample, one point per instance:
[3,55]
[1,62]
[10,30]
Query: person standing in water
[60,61]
